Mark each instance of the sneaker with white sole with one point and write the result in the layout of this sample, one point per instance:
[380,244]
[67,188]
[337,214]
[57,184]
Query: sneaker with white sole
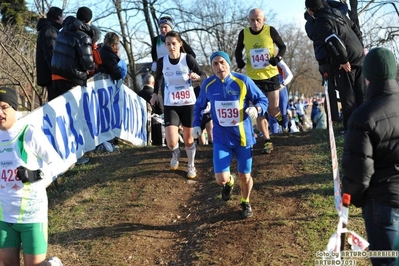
[54,261]
[174,162]
[191,172]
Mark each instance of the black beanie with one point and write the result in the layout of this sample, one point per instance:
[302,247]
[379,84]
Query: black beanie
[9,96]
[317,4]
[84,14]
[379,64]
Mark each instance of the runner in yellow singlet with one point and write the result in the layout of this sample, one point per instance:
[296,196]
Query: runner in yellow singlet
[259,40]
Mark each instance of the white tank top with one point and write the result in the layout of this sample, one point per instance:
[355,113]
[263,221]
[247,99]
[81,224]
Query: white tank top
[178,87]
[161,48]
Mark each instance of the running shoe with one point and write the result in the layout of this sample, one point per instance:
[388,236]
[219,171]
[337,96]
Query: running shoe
[191,172]
[268,147]
[246,210]
[279,118]
[108,146]
[82,160]
[54,261]
[227,190]
[174,162]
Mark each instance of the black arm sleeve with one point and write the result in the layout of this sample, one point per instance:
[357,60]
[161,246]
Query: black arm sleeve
[85,53]
[49,37]
[158,107]
[154,55]
[159,75]
[187,49]
[193,65]
[278,41]
[337,48]
[239,48]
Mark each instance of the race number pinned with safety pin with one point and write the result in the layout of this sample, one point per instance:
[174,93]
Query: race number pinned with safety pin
[181,95]
[259,58]
[227,113]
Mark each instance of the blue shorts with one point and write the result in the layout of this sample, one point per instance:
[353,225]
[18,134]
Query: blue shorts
[223,154]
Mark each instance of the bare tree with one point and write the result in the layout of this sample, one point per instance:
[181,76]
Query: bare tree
[212,25]
[18,67]
[380,25]
[300,59]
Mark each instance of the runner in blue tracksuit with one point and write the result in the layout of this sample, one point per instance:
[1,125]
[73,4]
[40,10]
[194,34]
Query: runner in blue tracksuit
[230,94]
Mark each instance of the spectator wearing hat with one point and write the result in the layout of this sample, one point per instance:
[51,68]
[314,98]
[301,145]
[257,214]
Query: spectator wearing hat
[315,111]
[230,94]
[342,40]
[48,29]
[158,47]
[28,167]
[322,58]
[318,117]
[259,41]
[73,54]
[371,153]
[84,14]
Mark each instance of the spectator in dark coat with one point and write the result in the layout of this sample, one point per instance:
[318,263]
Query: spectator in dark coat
[322,58]
[73,55]
[371,153]
[342,41]
[48,29]
[110,59]
[157,108]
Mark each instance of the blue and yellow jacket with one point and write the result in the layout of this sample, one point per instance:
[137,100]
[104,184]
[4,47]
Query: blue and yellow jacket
[229,99]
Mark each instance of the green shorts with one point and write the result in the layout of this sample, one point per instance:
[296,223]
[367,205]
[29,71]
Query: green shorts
[32,237]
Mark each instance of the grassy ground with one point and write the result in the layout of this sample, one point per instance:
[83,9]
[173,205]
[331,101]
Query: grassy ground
[128,208]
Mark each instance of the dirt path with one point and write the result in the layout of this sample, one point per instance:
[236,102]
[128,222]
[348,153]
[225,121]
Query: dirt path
[159,217]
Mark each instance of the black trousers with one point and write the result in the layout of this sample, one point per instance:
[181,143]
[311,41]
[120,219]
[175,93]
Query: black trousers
[332,95]
[156,133]
[60,87]
[351,87]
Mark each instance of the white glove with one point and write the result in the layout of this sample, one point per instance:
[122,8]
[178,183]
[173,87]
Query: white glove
[154,67]
[196,132]
[119,83]
[252,112]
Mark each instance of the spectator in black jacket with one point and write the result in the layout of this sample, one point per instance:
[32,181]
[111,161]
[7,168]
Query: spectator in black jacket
[322,58]
[157,108]
[342,40]
[73,56]
[48,29]
[110,59]
[371,153]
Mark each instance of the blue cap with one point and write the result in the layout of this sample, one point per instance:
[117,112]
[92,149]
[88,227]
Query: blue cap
[222,54]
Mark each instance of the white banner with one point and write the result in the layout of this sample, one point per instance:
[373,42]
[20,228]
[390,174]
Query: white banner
[82,118]
[334,243]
